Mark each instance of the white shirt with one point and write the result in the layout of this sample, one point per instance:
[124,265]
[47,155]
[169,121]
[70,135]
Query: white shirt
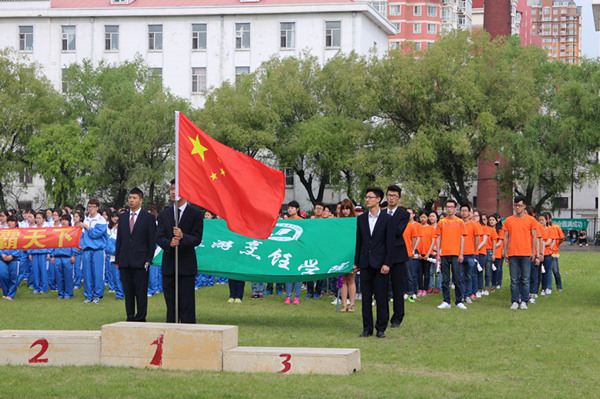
[391,211]
[373,221]
[181,209]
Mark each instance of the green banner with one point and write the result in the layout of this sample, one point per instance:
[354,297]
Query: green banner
[297,250]
[571,224]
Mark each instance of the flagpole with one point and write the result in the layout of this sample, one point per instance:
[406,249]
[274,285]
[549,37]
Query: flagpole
[176,210]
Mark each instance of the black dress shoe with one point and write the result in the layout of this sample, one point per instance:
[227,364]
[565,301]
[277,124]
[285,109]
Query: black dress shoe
[395,325]
[380,334]
[366,333]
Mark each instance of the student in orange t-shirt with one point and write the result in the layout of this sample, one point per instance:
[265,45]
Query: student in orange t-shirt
[451,232]
[520,250]
[549,238]
[472,239]
[536,266]
[495,224]
[412,239]
[425,249]
[555,269]
[492,236]
[480,251]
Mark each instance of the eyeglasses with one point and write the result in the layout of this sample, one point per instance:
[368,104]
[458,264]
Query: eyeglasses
[519,205]
[393,196]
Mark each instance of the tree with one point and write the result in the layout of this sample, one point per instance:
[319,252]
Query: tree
[27,102]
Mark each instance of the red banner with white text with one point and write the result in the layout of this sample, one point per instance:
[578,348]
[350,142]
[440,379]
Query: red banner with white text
[37,238]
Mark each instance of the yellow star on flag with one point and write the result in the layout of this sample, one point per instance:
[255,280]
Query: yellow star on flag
[198,148]
[222,171]
[213,176]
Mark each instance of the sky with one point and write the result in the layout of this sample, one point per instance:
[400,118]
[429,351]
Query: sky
[590,39]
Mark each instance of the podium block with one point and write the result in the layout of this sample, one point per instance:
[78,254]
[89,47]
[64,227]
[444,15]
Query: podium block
[49,348]
[248,359]
[166,345]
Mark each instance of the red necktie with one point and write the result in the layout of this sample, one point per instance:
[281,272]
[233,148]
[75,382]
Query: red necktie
[131,222]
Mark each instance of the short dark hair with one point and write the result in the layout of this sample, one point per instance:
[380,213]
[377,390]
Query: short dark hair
[319,203]
[452,202]
[394,187]
[172,181]
[12,218]
[520,198]
[466,206]
[327,207]
[67,218]
[375,190]
[294,203]
[136,191]
[94,201]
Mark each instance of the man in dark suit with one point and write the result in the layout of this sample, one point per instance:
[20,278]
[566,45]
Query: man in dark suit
[136,241]
[400,219]
[185,238]
[374,242]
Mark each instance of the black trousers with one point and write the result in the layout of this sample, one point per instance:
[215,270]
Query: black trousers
[372,282]
[397,277]
[236,289]
[135,288]
[187,298]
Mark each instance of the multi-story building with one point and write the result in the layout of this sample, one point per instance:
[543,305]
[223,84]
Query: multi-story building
[192,45]
[558,24]
[512,17]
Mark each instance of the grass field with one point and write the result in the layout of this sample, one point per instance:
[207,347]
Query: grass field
[551,350]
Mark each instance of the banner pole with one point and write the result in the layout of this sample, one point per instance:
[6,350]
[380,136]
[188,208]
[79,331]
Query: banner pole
[176,210]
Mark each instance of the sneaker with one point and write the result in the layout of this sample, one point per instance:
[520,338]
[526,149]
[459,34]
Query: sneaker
[373,303]
[358,297]
[478,294]
[237,300]
[468,300]
[532,300]
[452,286]
[548,291]
[288,301]
[535,295]
[444,305]
[524,305]
[430,290]
[412,298]
[96,300]
[87,300]
[308,296]
[261,296]
[473,296]
[279,293]
[405,296]
[296,301]
[230,300]
[461,306]
[497,287]
[424,293]
[7,298]
[269,293]
[543,293]
[436,291]
[315,296]
[560,290]
[486,293]
[253,296]
[336,302]
[514,306]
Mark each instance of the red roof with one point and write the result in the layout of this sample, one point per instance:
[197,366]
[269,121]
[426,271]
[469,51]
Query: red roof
[181,3]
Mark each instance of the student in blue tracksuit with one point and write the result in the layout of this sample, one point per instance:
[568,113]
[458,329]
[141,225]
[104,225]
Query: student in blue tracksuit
[39,258]
[9,264]
[93,241]
[63,260]
[76,218]
[25,267]
[112,272]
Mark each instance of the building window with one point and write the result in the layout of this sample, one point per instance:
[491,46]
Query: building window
[333,34]
[431,29]
[156,73]
[240,71]
[198,80]
[396,26]
[155,37]
[417,28]
[431,11]
[242,36]
[68,38]
[561,202]
[198,36]
[287,37]
[111,37]
[26,38]
[417,11]
[395,9]
[289,177]
[380,7]
[418,46]
[394,45]
[26,177]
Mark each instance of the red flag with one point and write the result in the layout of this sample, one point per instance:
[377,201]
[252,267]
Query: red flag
[243,191]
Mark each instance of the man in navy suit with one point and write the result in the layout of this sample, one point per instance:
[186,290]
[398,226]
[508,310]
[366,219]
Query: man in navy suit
[400,219]
[373,256]
[186,237]
[136,235]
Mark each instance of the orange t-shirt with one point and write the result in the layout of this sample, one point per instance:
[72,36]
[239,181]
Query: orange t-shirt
[549,234]
[450,231]
[492,237]
[519,233]
[498,253]
[561,236]
[412,230]
[473,230]
[484,232]
[428,235]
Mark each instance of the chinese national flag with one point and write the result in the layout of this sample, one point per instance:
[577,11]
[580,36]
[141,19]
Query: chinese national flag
[243,191]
